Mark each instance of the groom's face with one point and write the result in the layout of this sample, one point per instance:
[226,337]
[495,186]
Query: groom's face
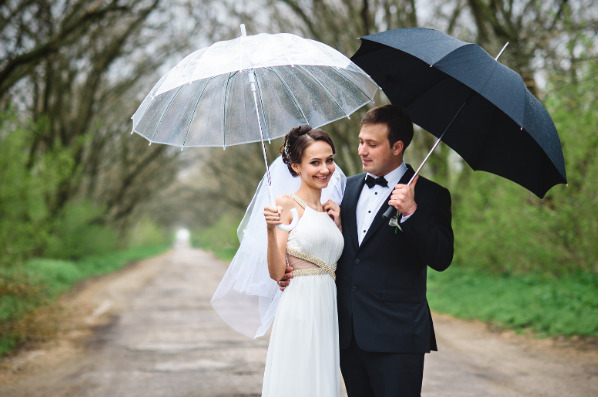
[377,156]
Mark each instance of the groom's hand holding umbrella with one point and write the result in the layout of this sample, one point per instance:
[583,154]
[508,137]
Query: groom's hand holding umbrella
[403,198]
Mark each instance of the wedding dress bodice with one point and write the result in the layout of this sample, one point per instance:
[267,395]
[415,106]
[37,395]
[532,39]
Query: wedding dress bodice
[317,240]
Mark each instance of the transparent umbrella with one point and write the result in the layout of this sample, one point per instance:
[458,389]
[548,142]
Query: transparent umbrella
[251,89]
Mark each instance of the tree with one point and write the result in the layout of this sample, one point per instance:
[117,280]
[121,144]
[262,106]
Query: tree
[77,71]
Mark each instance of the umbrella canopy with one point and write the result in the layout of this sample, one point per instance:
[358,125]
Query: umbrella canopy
[208,98]
[479,107]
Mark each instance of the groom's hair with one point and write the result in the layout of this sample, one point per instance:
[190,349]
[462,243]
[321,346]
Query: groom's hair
[396,118]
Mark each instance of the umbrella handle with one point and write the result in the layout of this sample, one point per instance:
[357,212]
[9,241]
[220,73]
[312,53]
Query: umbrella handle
[290,226]
[294,213]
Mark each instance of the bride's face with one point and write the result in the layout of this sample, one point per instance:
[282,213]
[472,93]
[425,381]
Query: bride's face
[317,165]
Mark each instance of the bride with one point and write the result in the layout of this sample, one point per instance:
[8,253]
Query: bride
[304,339]
[303,354]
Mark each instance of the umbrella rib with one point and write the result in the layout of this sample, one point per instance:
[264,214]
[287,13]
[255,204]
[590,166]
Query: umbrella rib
[230,76]
[258,94]
[163,114]
[153,95]
[323,87]
[340,72]
[194,111]
[255,90]
[292,95]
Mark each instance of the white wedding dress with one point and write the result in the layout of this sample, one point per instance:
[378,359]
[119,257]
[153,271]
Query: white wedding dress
[303,355]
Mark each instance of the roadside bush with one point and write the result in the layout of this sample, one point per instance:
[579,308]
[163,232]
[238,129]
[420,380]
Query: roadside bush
[23,208]
[77,233]
[146,232]
[220,238]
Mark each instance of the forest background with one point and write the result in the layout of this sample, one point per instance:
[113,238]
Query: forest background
[80,196]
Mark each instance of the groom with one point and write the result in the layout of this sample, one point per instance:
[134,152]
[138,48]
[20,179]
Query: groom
[385,326]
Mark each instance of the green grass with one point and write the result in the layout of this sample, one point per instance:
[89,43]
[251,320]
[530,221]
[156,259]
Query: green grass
[58,276]
[39,282]
[544,305]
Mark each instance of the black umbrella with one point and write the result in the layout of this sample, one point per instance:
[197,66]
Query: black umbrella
[477,106]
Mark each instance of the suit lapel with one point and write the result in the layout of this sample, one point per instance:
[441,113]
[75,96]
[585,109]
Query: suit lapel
[352,193]
[378,219]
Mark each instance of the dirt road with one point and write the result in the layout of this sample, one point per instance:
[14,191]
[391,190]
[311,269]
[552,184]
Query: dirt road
[149,331]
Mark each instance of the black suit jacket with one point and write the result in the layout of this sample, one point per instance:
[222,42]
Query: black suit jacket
[381,284]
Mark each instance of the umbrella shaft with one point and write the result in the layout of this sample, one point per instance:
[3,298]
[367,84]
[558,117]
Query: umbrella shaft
[448,126]
[426,158]
[259,123]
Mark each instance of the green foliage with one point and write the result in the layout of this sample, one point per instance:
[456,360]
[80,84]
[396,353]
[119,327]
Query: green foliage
[23,207]
[54,275]
[220,238]
[76,233]
[501,227]
[146,232]
[573,108]
[540,303]
[29,182]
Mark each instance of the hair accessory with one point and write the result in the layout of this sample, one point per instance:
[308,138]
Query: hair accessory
[286,150]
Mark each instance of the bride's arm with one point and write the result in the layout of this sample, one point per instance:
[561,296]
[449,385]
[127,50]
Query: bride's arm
[277,239]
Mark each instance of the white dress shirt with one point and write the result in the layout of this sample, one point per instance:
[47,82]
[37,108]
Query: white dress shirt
[371,199]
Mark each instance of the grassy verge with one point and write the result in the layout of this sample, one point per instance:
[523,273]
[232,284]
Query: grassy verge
[542,304]
[28,293]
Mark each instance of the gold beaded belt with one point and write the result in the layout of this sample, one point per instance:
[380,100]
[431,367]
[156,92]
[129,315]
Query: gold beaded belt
[312,271]
[321,269]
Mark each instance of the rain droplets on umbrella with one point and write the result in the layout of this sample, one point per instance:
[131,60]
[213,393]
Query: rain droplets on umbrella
[207,98]
[477,106]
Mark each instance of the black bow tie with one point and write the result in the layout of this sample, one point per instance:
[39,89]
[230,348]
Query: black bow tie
[371,181]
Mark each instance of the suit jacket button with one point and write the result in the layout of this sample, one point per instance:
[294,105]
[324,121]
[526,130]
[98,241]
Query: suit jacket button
[353,288]
[357,261]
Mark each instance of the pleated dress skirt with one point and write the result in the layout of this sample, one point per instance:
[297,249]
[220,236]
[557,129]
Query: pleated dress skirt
[303,354]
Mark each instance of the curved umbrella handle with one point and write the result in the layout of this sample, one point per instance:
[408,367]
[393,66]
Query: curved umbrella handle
[294,213]
[294,220]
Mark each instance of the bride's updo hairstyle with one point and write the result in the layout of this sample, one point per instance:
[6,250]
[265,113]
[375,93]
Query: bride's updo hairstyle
[299,138]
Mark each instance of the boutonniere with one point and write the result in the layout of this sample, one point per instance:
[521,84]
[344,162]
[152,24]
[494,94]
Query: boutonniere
[394,222]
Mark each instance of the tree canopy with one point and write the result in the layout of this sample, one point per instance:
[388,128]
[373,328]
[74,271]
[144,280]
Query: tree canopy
[73,72]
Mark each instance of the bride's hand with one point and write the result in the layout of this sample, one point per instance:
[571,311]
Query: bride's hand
[334,212]
[272,215]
